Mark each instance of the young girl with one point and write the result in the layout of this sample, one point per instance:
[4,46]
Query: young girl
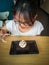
[24,22]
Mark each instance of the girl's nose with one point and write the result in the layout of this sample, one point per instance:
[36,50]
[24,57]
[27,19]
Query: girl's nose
[22,25]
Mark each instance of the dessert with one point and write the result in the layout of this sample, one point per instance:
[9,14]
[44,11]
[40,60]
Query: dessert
[22,43]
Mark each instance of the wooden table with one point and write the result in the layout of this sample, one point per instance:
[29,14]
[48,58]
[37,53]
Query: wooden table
[32,59]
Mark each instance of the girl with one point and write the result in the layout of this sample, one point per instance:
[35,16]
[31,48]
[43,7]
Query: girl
[25,23]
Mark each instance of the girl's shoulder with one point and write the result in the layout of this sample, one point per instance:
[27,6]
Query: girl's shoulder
[37,27]
[9,21]
[37,23]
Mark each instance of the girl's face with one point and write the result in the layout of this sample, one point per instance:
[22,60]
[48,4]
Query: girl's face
[22,22]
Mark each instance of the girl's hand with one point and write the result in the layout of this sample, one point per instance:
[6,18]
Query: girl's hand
[3,34]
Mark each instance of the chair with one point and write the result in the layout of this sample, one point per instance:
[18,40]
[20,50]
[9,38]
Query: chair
[4,16]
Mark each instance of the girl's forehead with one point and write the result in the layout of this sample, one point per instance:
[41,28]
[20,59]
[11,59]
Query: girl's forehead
[21,15]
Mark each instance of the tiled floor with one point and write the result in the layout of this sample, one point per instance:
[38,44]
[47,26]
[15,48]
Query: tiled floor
[44,18]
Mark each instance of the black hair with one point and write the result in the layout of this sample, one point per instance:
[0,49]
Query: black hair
[17,5]
[28,8]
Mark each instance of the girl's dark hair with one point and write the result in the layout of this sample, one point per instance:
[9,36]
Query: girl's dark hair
[27,8]
[17,5]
